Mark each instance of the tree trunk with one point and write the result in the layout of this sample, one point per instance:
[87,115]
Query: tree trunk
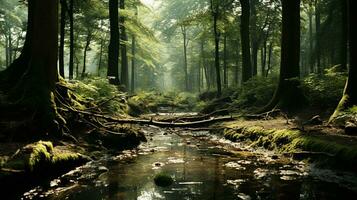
[10,49]
[62,37]
[236,69]
[205,67]
[30,80]
[71,39]
[100,56]
[269,59]
[288,95]
[349,97]
[216,60]
[311,42]
[124,57]
[185,43]
[245,40]
[225,70]
[7,59]
[344,36]
[317,36]
[133,59]
[88,40]
[113,49]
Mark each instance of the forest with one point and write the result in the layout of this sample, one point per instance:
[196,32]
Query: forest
[178,99]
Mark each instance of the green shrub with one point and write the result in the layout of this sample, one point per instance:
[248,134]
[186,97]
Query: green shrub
[324,91]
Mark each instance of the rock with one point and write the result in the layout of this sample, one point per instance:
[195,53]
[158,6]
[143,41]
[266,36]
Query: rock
[316,120]
[163,180]
[351,128]
[102,169]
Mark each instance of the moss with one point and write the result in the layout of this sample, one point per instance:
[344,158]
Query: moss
[292,141]
[42,157]
[163,180]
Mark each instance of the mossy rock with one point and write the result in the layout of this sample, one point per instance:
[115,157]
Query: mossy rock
[42,157]
[163,180]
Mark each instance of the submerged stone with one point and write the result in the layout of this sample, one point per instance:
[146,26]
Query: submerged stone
[163,180]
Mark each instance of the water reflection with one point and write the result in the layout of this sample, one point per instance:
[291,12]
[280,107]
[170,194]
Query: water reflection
[203,169]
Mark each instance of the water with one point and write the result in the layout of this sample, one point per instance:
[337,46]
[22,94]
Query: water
[202,167]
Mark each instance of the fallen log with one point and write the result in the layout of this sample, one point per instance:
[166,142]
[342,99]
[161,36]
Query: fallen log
[196,117]
[156,123]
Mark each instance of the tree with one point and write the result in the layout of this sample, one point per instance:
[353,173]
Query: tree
[288,95]
[113,49]
[245,41]
[215,15]
[71,38]
[30,81]
[349,98]
[62,36]
[124,57]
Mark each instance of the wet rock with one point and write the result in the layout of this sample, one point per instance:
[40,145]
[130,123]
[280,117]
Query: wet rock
[163,180]
[316,120]
[102,169]
[351,128]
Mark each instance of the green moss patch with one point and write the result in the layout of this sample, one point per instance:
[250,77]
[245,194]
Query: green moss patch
[294,141]
[43,157]
[163,180]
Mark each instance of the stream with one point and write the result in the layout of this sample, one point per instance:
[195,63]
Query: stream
[202,167]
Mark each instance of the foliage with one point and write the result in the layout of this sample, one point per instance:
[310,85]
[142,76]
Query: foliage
[324,91]
[98,90]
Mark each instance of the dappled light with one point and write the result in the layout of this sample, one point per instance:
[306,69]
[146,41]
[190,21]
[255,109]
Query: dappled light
[178,99]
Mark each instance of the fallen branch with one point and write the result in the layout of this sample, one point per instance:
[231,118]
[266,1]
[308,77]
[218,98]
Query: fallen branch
[155,123]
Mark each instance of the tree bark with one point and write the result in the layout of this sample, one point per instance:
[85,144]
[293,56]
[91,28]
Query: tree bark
[71,39]
[288,95]
[245,40]
[113,49]
[185,44]
[225,70]
[349,98]
[344,36]
[88,40]
[215,13]
[62,36]
[317,36]
[36,68]
[124,57]
[100,56]
[311,41]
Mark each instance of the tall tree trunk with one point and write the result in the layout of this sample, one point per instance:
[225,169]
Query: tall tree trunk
[311,41]
[236,69]
[7,59]
[288,95]
[185,44]
[216,39]
[100,56]
[62,37]
[269,59]
[344,36]
[113,49]
[245,40]
[71,38]
[37,68]
[10,45]
[205,67]
[254,37]
[225,70]
[124,57]
[349,97]
[88,40]
[133,59]
[317,36]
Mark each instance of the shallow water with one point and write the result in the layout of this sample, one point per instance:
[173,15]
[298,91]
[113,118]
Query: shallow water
[202,167]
